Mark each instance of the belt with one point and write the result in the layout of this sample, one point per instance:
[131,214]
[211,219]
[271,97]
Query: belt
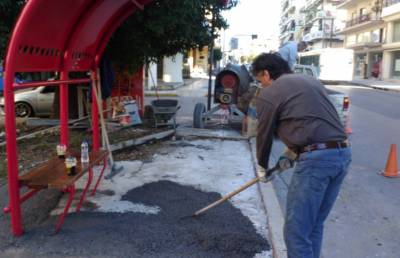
[323,146]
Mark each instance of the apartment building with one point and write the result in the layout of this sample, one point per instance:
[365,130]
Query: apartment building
[290,24]
[391,47]
[320,20]
[365,33]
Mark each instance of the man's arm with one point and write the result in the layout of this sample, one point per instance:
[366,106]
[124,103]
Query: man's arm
[293,54]
[266,125]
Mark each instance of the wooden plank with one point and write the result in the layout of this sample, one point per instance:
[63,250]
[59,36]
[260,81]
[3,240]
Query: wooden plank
[66,180]
[53,173]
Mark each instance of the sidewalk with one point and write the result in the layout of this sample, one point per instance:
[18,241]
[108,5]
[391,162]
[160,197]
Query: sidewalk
[168,89]
[378,84]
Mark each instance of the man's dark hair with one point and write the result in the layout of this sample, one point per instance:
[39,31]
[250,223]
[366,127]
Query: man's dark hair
[273,63]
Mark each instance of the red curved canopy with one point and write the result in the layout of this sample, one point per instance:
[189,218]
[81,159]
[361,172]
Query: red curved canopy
[55,35]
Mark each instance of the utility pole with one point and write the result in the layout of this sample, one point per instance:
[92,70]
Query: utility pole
[331,36]
[211,57]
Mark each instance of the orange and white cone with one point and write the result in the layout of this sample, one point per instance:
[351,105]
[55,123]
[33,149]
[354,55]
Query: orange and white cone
[392,169]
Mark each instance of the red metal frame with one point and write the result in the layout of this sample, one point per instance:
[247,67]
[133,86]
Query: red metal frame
[25,85]
[61,36]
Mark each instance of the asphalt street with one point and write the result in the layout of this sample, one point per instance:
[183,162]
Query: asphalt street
[364,221]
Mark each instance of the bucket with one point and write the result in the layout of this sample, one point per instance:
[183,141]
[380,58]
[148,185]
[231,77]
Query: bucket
[131,116]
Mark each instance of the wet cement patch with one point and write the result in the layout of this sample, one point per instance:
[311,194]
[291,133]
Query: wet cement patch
[221,232]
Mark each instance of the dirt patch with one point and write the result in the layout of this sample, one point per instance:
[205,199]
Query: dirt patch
[143,152]
[222,232]
[36,150]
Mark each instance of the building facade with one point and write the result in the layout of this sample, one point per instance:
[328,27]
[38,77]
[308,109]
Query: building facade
[290,23]
[320,20]
[365,33]
[391,47]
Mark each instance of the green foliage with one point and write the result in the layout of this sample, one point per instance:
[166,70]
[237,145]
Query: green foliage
[217,54]
[164,28]
[9,10]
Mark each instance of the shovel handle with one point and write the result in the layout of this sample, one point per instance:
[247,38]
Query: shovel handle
[228,196]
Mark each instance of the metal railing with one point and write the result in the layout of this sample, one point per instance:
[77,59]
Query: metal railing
[359,20]
[388,3]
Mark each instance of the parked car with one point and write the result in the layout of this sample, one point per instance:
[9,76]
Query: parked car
[33,102]
[306,69]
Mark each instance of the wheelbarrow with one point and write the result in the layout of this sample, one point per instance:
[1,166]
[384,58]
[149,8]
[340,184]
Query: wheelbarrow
[161,112]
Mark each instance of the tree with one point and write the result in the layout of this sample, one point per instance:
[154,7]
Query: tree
[165,28]
[9,10]
[217,54]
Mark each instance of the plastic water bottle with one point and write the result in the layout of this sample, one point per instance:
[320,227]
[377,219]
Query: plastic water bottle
[84,152]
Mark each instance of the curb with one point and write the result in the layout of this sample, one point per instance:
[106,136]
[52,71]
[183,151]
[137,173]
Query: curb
[378,88]
[273,211]
[152,94]
[359,84]
[207,133]
[141,140]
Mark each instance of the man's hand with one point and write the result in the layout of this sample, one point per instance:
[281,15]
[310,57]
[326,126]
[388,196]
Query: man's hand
[284,163]
[261,173]
[286,160]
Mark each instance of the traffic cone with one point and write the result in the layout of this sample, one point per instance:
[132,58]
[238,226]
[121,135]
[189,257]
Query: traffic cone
[391,169]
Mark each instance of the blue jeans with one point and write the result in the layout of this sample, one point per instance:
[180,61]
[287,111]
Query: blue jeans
[312,192]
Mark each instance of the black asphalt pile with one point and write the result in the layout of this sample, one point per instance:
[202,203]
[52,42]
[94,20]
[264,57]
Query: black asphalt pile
[222,232]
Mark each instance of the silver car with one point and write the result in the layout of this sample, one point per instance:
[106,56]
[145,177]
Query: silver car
[306,69]
[33,102]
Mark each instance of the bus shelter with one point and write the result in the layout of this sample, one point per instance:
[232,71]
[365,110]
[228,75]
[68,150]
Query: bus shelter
[61,36]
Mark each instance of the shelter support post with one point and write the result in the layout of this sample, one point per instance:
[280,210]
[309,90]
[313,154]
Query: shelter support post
[95,114]
[64,115]
[12,155]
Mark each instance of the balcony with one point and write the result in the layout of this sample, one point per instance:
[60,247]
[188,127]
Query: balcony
[390,7]
[362,22]
[347,4]
[317,35]
[358,20]
[388,3]
[291,5]
[312,3]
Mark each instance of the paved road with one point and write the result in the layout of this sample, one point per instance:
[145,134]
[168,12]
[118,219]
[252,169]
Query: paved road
[365,221]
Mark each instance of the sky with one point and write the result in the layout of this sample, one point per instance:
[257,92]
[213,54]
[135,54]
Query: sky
[254,17]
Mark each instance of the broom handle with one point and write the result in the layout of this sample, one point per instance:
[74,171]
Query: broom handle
[103,126]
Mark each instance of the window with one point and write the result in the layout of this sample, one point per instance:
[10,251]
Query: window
[351,39]
[396,31]
[376,36]
[298,70]
[49,89]
[364,37]
[396,65]
[309,72]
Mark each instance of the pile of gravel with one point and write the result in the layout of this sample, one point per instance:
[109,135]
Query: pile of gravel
[222,232]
